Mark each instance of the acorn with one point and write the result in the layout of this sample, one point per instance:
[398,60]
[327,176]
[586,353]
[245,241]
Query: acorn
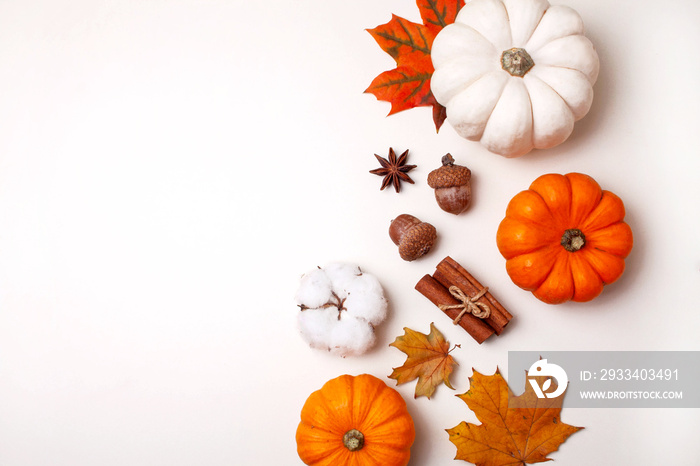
[413,237]
[452,186]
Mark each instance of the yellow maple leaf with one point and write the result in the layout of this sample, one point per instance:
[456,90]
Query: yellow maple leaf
[428,360]
[508,436]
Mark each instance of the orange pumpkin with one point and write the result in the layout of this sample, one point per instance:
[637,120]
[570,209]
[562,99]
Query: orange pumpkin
[355,421]
[564,238]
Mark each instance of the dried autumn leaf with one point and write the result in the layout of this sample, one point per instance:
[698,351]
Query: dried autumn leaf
[508,436]
[408,43]
[436,14]
[428,360]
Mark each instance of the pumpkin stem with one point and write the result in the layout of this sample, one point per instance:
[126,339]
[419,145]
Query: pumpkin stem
[516,61]
[573,240]
[353,440]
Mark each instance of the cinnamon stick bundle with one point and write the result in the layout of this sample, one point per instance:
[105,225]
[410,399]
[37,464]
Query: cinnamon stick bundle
[459,295]
[439,295]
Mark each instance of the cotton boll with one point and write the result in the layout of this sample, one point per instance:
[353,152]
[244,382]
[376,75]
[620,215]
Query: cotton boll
[316,325]
[365,284]
[341,276]
[315,289]
[371,307]
[351,337]
[340,307]
[346,336]
[366,299]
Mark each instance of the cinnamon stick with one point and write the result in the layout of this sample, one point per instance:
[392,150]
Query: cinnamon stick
[447,275]
[504,315]
[439,295]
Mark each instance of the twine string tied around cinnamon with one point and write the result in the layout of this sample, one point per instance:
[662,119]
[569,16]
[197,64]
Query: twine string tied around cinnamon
[467,304]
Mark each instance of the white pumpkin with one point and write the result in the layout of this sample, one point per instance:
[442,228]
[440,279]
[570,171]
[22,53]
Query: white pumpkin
[514,74]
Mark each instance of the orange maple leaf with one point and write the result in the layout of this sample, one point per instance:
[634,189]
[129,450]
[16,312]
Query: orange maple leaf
[409,43]
[508,436]
[428,359]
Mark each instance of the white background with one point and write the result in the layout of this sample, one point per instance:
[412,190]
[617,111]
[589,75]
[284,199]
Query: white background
[169,169]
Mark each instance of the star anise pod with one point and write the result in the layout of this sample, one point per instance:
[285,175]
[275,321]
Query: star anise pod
[393,170]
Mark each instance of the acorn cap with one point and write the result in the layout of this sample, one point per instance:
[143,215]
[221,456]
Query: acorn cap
[417,241]
[449,174]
